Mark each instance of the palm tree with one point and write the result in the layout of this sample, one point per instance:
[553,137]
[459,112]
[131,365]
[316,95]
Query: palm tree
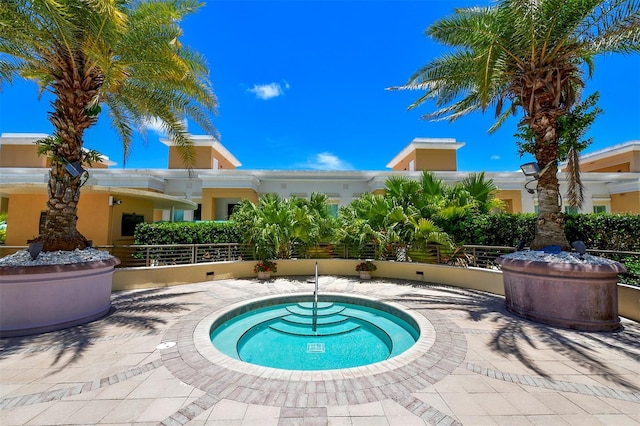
[528,56]
[124,54]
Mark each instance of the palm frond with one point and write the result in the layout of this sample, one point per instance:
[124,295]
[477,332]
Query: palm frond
[575,191]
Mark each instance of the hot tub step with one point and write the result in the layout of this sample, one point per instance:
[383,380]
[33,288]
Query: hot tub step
[321,330]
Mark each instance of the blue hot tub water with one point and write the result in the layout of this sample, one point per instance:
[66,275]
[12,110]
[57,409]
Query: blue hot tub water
[290,336]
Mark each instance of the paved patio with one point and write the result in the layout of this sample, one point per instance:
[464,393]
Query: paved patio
[148,363]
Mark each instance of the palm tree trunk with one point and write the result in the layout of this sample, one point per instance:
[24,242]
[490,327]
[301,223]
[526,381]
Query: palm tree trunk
[76,87]
[550,222]
[60,231]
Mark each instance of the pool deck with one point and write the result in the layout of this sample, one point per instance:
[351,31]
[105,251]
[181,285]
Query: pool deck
[149,363]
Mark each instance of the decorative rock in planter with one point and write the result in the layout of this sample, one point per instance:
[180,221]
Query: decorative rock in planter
[576,293]
[42,298]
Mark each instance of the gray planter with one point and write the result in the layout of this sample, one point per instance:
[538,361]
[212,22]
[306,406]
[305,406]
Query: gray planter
[38,299]
[571,295]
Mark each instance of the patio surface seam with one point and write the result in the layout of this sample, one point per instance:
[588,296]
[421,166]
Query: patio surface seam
[58,394]
[565,386]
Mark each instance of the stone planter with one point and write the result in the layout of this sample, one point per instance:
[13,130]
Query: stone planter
[264,275]
[38,299]
[365,275]
[579,296]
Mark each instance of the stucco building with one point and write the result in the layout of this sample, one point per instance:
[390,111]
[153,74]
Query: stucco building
[114,200]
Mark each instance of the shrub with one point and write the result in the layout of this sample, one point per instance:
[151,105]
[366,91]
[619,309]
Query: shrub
[186,233]
[619,232]
[367,265]
[491,230]
[265,266]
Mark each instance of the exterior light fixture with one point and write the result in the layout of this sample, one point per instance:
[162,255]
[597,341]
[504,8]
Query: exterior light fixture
[75,169]
[529,190]
[533,170]
[530,169]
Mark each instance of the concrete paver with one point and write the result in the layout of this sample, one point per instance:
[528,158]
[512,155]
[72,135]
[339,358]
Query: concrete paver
[150,362]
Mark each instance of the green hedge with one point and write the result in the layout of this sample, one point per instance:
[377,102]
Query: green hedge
[186,233]
[491,230]
[619,232]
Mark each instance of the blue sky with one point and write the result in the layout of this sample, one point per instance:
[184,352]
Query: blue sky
[301,85]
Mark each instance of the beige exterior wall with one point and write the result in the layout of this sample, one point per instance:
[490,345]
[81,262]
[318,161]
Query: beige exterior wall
[210,195]
[27,156]
[97,221]
[626,203]
[512,199]
[620,163]
[94,218]
[129,205]
[403,165]
[429,159]
[23,217]
[21,156]
[436,159]
[204,158]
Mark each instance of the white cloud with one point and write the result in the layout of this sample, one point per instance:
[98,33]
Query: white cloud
[157,126]
[495,157]
[328,161]
[268,91]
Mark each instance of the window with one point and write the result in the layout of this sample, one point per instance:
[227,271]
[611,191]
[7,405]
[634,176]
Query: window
[599,209]
[571,209]
[197,214]
[333,209]
[178,216]
[129,222]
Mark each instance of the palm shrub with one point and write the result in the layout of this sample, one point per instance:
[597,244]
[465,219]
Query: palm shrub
[275,227]
[528,57]
[391,224]
[430,244]
[124,55]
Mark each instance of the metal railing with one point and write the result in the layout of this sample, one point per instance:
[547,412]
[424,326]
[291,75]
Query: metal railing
[464,256]
[174,254]
[482,256]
